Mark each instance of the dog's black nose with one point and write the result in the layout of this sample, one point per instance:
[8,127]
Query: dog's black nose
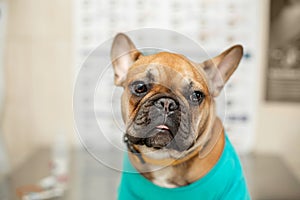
[166,104]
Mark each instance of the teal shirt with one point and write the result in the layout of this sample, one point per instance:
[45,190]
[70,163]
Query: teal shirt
[224,181]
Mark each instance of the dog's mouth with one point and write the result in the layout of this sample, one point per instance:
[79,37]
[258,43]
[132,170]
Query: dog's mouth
[159,137]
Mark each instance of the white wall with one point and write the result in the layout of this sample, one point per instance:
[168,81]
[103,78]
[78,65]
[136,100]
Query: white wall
[38,76]
[278,124]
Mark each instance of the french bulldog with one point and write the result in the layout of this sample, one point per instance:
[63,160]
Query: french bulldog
[176,144]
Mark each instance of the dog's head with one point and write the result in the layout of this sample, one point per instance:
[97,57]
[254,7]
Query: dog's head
[168,100]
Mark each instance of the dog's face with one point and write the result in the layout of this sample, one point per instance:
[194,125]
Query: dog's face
[168,101]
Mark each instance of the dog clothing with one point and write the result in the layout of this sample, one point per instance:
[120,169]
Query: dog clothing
[225,181]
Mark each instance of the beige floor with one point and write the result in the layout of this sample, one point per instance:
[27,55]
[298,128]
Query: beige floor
[268,177]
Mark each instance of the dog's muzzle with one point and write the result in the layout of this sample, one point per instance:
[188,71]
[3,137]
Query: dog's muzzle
[160,137]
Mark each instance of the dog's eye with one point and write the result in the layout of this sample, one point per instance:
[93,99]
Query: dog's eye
[139,88]
[197,96]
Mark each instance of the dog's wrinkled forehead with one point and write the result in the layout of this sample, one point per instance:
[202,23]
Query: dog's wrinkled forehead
[167,69]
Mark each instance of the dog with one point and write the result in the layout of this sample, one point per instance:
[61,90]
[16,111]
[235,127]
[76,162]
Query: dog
[177,147]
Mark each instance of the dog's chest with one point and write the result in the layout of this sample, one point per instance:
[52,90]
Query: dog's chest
[168,177]
[163,178]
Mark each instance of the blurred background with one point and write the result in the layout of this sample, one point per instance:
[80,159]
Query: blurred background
[44,43]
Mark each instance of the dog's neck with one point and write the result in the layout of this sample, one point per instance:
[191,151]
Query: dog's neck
[191,169]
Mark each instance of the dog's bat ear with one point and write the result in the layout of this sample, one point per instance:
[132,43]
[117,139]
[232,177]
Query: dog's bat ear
[221,67]
[123,55]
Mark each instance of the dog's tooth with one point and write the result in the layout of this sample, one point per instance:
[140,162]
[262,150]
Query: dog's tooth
[162,127]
